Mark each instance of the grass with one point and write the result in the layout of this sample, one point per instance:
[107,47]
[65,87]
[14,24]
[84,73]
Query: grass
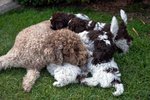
[134,66]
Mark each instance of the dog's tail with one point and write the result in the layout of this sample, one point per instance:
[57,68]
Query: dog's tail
[8,61]
[118,87]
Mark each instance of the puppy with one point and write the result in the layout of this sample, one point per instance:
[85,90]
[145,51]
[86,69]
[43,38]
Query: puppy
[64,74]
[122,39]
[101,64]
[60,20]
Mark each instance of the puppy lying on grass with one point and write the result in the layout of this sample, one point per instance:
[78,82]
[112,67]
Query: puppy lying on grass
[101,64]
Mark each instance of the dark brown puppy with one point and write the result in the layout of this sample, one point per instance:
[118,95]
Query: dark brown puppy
[60,20]
[77,25]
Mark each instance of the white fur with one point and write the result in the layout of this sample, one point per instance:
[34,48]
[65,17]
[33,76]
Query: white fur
[86,41]
[104,37]
[122,44]
[64,74]
[114,26]
[107,42]
[69,21]
[99,26]
[123,16]
[67,73]
[51,68]
[89,24]
[51,17]
[103,78]
[119,89]
[82,16]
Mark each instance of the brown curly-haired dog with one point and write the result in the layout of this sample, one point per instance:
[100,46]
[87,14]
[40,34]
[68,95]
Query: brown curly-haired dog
[38,46]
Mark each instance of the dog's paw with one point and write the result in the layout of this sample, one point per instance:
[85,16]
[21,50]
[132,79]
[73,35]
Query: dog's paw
[58,84]
[83,81]
[26,87]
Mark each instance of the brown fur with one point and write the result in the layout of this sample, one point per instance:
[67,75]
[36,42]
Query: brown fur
[102,51]
[38,45]
[77,25]
[60,20]
[122,34]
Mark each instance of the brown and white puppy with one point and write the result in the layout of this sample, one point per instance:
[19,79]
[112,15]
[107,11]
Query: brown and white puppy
[101,64]
[60,20]
[77,25]
[122,39]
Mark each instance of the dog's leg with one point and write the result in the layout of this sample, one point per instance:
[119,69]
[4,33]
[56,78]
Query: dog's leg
[90,81]
[29,79]
[118,86]
[61,81]
[7,61]
[60,84]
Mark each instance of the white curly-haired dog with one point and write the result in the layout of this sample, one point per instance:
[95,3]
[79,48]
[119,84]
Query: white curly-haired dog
[101,64]
[65,74]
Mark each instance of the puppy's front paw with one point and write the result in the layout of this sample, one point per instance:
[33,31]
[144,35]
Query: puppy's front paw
[57,84]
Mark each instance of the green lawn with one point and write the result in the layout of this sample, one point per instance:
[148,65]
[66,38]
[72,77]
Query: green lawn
[134,66]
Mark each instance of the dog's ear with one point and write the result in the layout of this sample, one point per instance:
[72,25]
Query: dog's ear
[114,26]
[123,16]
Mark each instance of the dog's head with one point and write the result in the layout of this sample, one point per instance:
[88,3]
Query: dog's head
[104,47]
[77,25]
[121,38]
[60,20]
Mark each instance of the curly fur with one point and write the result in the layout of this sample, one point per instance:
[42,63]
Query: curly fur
[64,74]
[60,20]
[77,25]
[122,39]
[103,68]
[38,45]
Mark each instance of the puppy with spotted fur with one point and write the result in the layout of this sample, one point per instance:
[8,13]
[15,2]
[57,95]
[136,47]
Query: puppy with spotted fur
[80,22]
[101,64]
[122,39]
